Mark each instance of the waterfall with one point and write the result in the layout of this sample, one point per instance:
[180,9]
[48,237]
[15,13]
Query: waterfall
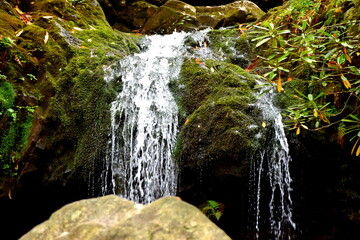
[271,169]
[144,121]
[144,126]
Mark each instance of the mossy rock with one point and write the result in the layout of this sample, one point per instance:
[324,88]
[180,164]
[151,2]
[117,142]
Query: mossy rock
[216,99]
[57,66]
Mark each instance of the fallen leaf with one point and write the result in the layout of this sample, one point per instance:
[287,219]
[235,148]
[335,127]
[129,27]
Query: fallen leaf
[338,10]
[19,33]
[298,131]
[253,64]
[315,113]
[279,84]
[304,126]
[186,122]
[347,54]
[46,38]
[18,60]
[345,81]
[18,10]
[354,147]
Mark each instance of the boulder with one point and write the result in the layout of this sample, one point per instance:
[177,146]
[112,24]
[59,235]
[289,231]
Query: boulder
[173,15]
[112,217]
[228,15]
[180,16]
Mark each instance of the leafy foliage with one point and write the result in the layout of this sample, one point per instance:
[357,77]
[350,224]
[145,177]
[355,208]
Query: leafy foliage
[14,137]
[213,210]
[310,43]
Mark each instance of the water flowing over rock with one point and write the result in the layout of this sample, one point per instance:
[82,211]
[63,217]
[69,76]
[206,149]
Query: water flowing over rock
[114,218]
[144,122]
[272,168]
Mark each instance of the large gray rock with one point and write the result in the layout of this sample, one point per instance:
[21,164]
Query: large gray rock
[180,16]
[112,217]
[229,14]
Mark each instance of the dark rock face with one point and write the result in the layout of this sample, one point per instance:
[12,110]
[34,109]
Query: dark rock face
[111,217]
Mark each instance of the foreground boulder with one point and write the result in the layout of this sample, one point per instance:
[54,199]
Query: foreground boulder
[112,217]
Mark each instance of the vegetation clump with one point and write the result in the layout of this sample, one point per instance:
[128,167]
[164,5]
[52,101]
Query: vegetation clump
[317,46]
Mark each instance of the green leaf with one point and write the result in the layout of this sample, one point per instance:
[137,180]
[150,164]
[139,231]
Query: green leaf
[319,95]
[345,44]
[218,215]
[308,60]
[310,97]
[262,42]
[213,204]
[341,59]
[284,31]
[304,24]
[326,33]
[271,26]
[330,53]
[283,57]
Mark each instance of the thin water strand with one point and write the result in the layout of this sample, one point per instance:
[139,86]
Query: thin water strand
[278,159]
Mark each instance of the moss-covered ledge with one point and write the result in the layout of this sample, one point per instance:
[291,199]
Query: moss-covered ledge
[216,99]
[56,67]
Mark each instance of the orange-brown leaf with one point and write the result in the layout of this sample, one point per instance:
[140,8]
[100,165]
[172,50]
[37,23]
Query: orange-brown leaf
[347,54]
[354,147]
[18,60]
[186,122]
[18,10]
[338,10]
[253,64]
[279,84]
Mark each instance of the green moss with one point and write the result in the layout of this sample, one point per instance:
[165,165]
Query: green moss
[216,98]
[229,42]
[7,96]
[13,142]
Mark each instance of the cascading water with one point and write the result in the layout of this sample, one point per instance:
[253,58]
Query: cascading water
[272,168]
[144,125]
[144,122]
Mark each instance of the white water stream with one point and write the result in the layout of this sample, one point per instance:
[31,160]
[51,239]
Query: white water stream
[272,169]
[144,121]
